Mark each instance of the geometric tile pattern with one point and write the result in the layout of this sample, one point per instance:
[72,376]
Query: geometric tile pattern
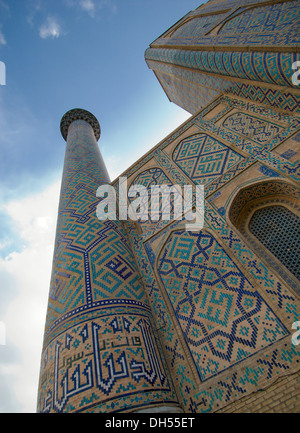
[268,67]
[222,312]
[148,178]
[240,383]
[247,379]
[273,25]
[203,158]
[192,90]
[262,366]
[223,319]
[269,363]
[100,350]
[153,176]
[293,123]
[196,26]
[245,27]
[274,18]
[257,129]
[276,25]
[215,289]
[259,152]
[272,188]
[270,97]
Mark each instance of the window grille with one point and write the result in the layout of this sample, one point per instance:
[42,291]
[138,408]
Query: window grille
[278,229]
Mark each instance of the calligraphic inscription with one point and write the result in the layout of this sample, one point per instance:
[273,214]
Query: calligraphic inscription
[98,361]
[204,158]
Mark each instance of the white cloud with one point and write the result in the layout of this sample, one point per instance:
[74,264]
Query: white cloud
[50,29]
[2,38]
[88,6]
[26,276]
[4,13]
[92,7]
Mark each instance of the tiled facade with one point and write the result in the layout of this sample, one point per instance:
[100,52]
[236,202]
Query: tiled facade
[254,45]
[146,314]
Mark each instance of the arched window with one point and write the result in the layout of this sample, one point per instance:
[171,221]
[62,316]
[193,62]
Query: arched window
[278,229]
[267,214]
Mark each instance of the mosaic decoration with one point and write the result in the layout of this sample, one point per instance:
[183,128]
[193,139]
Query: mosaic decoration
[268,67]
[86,366]
[237,26]
[272,18]
[239,384]
[271,97]
[148,178]
[194,90]
[261,190]
[190,96]
[196,26]
[211,396]
[268,193]
[222,318]
[203,158]
[185,73]
[257,129]
[147,314]
[100,350]
[79,114]
[258,367]
[261,153]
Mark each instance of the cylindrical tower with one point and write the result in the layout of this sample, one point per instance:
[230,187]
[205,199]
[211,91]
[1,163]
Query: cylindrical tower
[100,351]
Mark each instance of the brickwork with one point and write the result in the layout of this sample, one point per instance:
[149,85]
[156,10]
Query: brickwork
[214,358]
[100,349]
[254,48]
[282,397]
[147,314]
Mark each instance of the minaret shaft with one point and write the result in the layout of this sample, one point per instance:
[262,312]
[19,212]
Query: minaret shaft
[100,349]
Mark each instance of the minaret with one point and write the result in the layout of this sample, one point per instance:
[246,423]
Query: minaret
[100,351]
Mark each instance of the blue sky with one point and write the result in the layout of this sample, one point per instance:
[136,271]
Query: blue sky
[63,54]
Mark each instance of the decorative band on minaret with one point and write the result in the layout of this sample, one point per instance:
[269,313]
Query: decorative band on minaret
[79,114]
[100,351]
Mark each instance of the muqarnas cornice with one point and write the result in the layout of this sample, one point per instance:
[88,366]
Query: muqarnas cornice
[79,114]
